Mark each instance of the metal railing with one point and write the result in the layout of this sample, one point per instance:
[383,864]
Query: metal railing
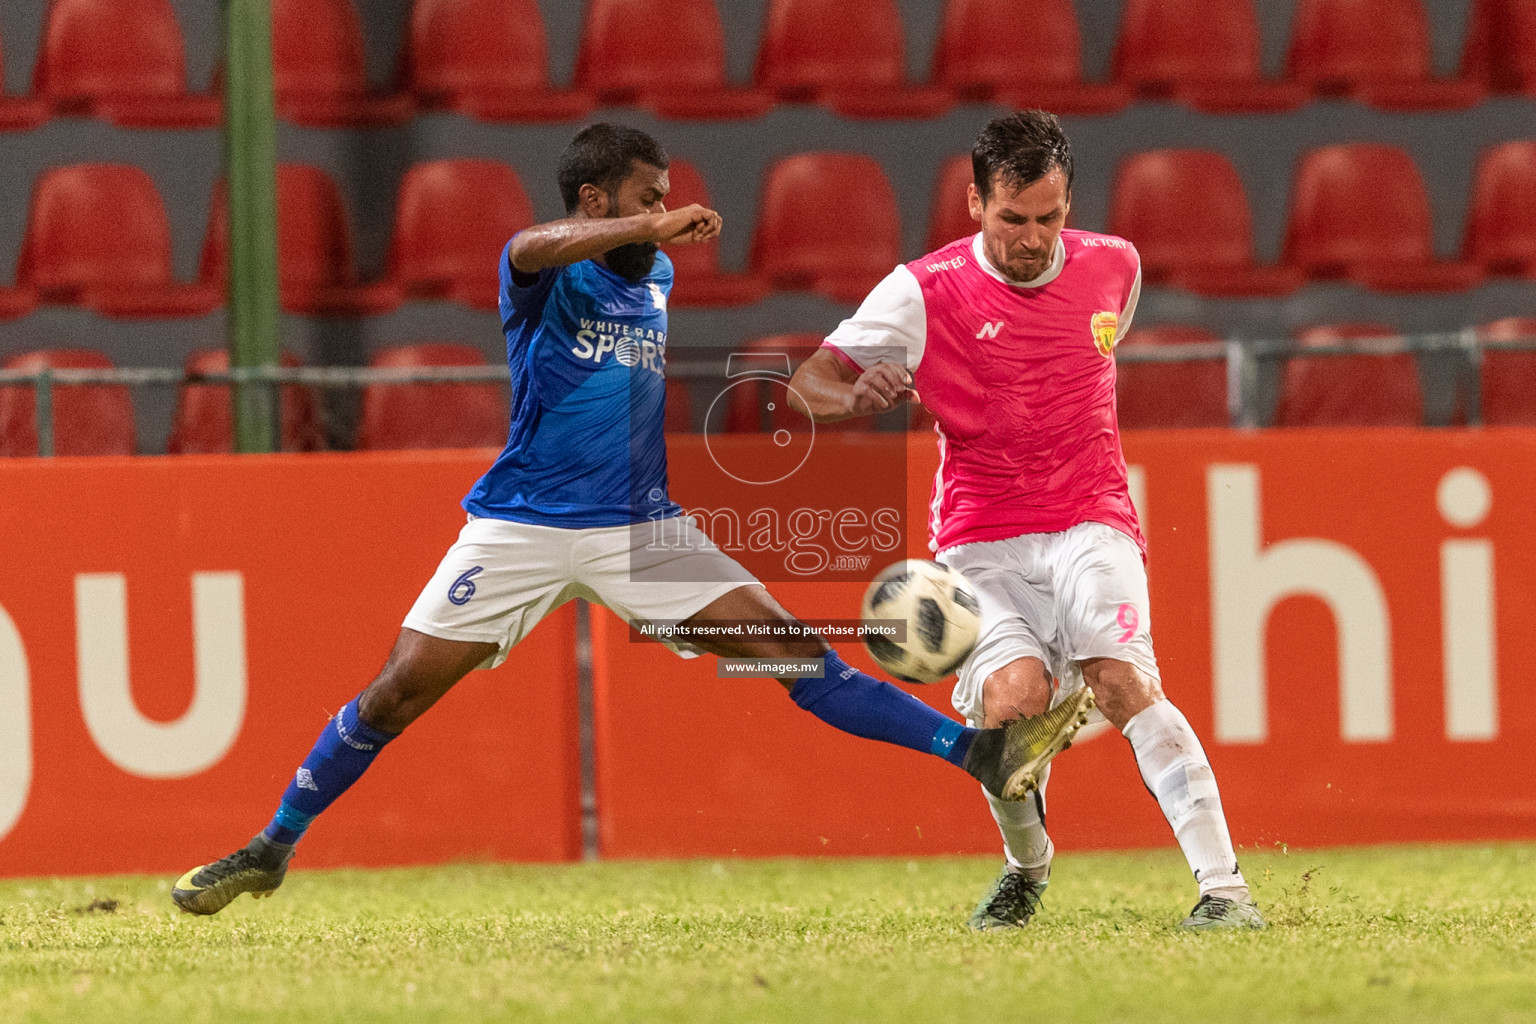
[1242,357]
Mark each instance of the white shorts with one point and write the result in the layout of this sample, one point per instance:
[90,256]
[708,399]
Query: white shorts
[501,578]
[1061,597]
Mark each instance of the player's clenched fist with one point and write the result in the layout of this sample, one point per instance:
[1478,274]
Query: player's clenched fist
[691,223]
[882,387]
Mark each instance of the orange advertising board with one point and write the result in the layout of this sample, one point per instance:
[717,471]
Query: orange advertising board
[1340,614]
[174,633]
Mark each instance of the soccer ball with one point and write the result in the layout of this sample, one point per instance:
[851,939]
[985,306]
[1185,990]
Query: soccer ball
[942,616]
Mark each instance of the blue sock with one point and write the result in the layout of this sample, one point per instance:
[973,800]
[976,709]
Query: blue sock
[847,699]
[346,747]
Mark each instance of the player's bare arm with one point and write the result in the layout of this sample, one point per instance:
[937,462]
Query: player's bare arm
[827,389]
[570,240]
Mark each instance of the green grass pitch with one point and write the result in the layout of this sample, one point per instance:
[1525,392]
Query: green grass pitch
[1425,933]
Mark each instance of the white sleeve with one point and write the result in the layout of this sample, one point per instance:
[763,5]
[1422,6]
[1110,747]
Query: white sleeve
[1130,303]
[890,326]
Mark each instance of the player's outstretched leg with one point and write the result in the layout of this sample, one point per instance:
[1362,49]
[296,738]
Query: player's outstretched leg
[346,747]
[1018,754]
[1007,761]
[420,670]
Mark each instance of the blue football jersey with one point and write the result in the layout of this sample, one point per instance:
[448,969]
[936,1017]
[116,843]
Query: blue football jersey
[587,352]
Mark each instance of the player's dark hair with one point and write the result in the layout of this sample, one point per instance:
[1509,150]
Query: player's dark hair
[603,154]
[1023,148]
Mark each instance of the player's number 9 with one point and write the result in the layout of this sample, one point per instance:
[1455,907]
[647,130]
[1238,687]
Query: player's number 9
[1129,621]
[464,587]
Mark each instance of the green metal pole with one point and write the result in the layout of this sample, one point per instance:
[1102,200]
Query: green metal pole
[250,157]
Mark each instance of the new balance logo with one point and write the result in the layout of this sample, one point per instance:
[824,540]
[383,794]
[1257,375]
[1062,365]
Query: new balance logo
[304,780]
[990,329]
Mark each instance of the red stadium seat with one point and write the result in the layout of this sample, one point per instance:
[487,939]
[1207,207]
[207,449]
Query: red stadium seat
[88,419]
[1349,391]
[314,245]
[1360,212]
[827,222]
[666,55]
[1509,377]
[21,113]
[848,55]
[979,63]
[949,212]
[1187,214]
[1374,51]
[487,59]
[452,219]
[203,424]
[1501,226]
[1500,48]
[1183,394]
[120,61]
[751,410]
[699,281]
[1203,53]
[97,236]
[318,70]
[679,407]
[468,415]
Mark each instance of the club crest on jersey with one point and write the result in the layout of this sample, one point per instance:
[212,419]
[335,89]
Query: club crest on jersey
[1104,326]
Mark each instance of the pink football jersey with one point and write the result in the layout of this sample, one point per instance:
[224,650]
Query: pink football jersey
[1021,380]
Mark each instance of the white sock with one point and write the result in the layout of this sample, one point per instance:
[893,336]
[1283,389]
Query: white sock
[1022,822]
[1175,769]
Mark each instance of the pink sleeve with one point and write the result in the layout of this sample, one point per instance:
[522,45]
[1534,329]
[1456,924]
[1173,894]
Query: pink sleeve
[832,347]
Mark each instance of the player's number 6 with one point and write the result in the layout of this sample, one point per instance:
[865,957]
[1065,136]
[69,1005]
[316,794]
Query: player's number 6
[464,587]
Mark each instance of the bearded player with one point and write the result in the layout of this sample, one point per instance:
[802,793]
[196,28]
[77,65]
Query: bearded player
[570,509]
[1008,336]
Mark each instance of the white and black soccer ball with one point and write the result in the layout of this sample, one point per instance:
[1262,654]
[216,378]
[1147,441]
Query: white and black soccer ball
[941,613]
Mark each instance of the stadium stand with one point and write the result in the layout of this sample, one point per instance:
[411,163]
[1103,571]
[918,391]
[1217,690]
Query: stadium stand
[629,56]
[827,222]
[318,68]
[978,63]
[452,219]
[121,61]
[97,236]
[486,59]
[1203,53]
[1373,51]
[203,424]
[88,419]
[699,280]
[848,55]
[949,211]
[316,269]
[1353,390]
[1500,46]
[1508,379]
[1501,223]
[1187,214]
[1183,394]
[1360,212]
[457,415]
